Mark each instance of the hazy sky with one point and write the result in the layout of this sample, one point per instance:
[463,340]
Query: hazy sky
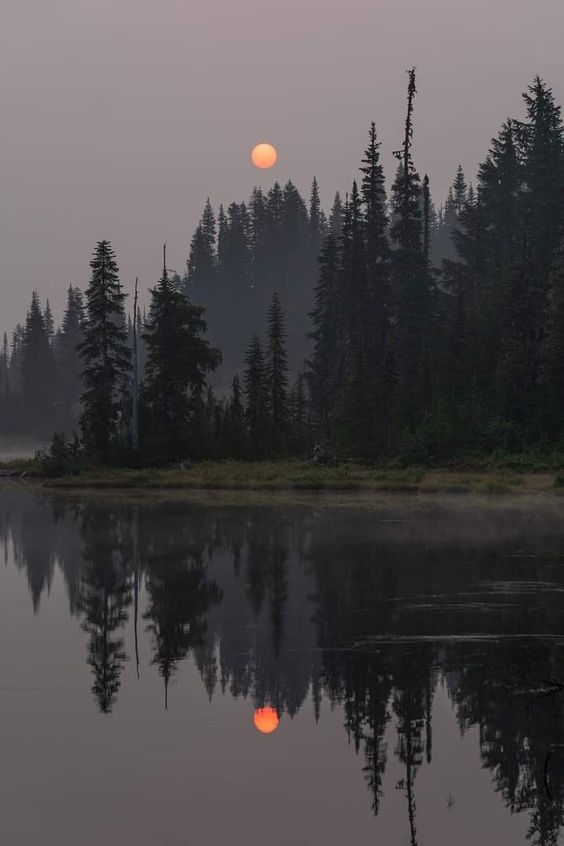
[119,117]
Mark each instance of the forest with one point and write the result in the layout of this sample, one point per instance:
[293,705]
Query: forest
[387,329]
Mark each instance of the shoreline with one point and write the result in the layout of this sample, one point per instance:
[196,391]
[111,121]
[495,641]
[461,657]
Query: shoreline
[296,479]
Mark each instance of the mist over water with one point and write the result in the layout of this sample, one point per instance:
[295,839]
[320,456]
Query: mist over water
[412,651]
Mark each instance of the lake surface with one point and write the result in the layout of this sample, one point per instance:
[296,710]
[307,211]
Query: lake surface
[178,672]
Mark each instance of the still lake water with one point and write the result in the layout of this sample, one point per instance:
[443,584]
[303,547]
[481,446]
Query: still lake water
[412,651]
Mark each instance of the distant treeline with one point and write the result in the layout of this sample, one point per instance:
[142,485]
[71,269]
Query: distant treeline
[409,333]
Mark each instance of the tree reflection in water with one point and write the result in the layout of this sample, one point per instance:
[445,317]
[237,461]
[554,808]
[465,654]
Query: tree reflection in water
[288,606]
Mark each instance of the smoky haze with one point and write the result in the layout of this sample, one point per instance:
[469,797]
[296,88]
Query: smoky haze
[120,117]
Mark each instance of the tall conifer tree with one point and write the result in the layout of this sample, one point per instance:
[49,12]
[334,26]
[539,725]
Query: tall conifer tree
[67,341]
[378,294]
[323,366]
[178,360]
[277,369]
[38,372]
[256,392]
[105,355]
[410,273]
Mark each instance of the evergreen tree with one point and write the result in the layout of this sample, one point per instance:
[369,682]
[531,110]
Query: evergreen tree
[500,188]
[277,371]
[7,402]
[316,218]
[542,138]
[105,355]
[336,217]
[410,273]
[296,253]
[202,259]
[300,434]
[236,442]
[178,360]
[259,236]
[256,392]
[378,295]
[38,372]
[67,341]
[459,191]
[273,269]
[354,299]
[324,365]
[426,220]
[234,258]
[16,357]
[515,376]
[355,423]
[222,230]
[49,323]
[5,368]
[552,375]
[374,200]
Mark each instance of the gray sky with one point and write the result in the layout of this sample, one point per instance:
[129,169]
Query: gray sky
[119,117]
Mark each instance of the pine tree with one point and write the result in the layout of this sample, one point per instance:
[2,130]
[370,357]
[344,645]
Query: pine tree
[7,400]
[500,189]
[67,341]
[374,199]
[259,237]
[105,355]
[5,368]
[298,258]
[426,220]
[377,300]
[300,435]
[336,217]
[542,139]
[256,392]
[178,360]
[222,229]
[354,294]
[552,374]
[16,356]
[459,191]
[202,260]
[316,219]
[515,376]
[410,273]
[236,442]
[38,372]
[234,257]
[355,422]
[277,371]
[49,323]
[323,366]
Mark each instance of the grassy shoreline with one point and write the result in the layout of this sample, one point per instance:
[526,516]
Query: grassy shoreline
[299,476]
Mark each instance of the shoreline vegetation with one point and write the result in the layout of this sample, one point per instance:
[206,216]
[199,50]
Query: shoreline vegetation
[299,476]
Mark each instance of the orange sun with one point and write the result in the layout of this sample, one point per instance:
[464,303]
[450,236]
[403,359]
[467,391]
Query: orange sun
[266,720]
[264,156]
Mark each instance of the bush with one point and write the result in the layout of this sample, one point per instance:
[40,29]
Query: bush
[63,458]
